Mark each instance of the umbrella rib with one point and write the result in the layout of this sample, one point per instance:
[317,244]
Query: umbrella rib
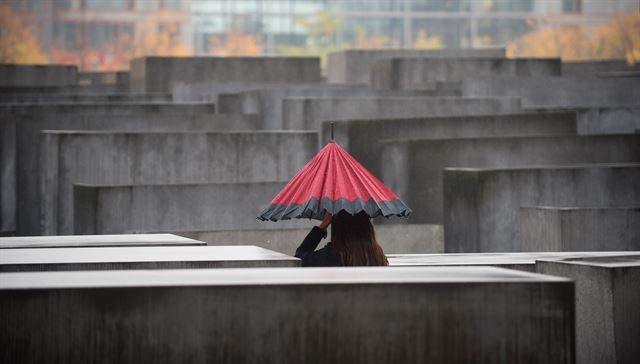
[292,189]
[376,189]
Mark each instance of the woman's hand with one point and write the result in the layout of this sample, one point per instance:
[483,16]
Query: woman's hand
[326,221]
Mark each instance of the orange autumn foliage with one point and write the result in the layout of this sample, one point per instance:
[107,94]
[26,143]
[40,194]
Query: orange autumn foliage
[158,34]
[618,39]
[424,41]
[376,41]
[91,59]
[235,43]
[17,42]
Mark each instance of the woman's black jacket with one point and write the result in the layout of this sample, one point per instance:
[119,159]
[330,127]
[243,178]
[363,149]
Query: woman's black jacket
[321,258]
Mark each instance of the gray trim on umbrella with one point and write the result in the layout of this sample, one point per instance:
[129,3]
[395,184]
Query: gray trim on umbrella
[314,209]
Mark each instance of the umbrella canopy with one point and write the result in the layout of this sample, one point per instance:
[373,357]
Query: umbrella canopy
[333,181]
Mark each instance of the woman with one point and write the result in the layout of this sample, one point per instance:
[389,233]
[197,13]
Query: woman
[353,243]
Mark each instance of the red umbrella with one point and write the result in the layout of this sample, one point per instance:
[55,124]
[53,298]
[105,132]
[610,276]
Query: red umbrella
[333,181]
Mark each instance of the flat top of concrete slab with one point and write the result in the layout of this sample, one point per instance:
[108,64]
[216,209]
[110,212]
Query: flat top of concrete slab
[401,97]
[524,113]
[425,51]
[611,261]
[95,240]
[230,59]
[588,208]
[490,140]
[268,276]
[546,167]
[474,259]
[109,105]
[139,254]
[196,132]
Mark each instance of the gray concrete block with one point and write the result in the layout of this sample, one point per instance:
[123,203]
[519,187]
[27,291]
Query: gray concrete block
[268,102]
[230,103]
[141,257]
[482,206]
[418,73]
[308,113]
[361,138]
[611,120]
[206,91]
[20,126]
[354,65]
[127,158]
[174,207]
[73,96]
[607,315]
[519,261]
[559,92]
[581,228]
[394,238]
[14,75]
[288,315]
[43,90]
[114,81]
[157,74]
[85,241]
[414,168]
[595,68]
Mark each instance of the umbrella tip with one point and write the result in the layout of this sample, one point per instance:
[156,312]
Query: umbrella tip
[332,131]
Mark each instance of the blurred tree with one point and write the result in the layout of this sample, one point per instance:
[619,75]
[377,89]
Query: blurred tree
[158,34]
[619,39]
[423,41]
[236,43]
[17,42]
[321,30]
[376,41]
[621,36]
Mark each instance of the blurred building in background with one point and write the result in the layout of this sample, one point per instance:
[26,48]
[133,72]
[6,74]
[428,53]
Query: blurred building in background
[104,34]
[395,23]
[90,31]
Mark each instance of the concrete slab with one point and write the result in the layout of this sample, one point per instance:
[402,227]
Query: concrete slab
[418,73]
[175,207]
[482,206]
[141,257]
[126,158]
[219,92]
[206,91]
[414,168]
[91,98]
[555,92]
[268,102]
[354,65]
[547,228]
[609,120]
[77,241]
[361,137]
[117,80]
[157,74]
[520,261]
[229,316]
[607,315]
[307,113]
[594,68]
[394,238]
[20,126]
[18,75]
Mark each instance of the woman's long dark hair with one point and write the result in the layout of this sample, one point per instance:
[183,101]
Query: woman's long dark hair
[354,240]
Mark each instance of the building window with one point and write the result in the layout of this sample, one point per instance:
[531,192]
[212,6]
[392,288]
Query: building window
[106,4]
[572,6]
